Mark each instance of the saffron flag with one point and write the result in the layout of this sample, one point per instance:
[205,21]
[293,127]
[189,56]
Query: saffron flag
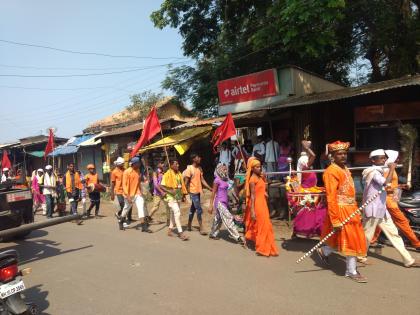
[224,131]
[150,128]
[50,145]
[5,162]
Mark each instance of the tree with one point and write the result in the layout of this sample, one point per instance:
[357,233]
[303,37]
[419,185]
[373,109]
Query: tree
[230,38]
[142,103]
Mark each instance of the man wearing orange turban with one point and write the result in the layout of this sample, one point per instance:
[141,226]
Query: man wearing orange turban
[349,240]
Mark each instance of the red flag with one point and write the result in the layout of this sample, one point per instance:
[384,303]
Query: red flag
[50,145]
[5,162]
[150,128]
[224,131]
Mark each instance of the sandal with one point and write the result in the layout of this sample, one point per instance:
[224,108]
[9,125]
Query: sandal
[242,242]
[322,256]
[364,261]
[171,233]
[183,237]
[357,278]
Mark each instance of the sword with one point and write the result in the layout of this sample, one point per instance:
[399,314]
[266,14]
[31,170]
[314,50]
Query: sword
[358,211]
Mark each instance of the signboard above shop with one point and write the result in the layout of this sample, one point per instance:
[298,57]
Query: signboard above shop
[266,88]
[248,87]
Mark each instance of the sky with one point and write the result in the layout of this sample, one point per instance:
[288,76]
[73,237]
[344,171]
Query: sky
[30,104]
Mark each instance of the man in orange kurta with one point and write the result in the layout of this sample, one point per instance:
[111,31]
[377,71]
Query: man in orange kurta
[349,239]
[397,216]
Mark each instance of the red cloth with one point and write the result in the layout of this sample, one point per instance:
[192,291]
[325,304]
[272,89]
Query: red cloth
[224,131]
[50,145]
[5,161]
[150,128]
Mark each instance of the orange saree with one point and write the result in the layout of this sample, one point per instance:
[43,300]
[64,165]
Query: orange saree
[260,230]
[350,240]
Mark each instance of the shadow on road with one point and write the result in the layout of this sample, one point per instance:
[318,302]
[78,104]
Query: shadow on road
[301,245]
[31,250]
[38,297]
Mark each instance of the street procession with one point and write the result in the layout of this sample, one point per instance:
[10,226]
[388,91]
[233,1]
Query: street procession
[268,161]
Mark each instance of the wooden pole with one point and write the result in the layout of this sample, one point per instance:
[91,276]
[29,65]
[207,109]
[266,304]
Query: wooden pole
[164,148]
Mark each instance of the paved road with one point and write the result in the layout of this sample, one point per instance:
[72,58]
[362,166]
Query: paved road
[96,269]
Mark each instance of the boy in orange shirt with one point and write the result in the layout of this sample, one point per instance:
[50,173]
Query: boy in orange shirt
[132,194]
[94,195]
[194,181]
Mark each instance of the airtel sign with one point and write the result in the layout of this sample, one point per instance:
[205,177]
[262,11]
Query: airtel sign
[248,87]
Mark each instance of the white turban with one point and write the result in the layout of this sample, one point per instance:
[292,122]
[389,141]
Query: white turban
[392,156]
[378,152]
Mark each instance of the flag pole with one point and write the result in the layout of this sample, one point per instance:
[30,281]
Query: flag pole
[53,152]
[164,147]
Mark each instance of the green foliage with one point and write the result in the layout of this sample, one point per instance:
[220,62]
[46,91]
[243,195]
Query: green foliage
[143,102]
[234,37]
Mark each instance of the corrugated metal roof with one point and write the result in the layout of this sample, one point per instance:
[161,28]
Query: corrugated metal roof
[123,130]
[8,145]
[349,92]
[71,146]
[37,140]
[217,120]
[139,126]
[95,140]
[129,116]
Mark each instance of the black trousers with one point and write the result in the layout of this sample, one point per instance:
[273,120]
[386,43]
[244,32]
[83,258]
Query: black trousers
[95,202]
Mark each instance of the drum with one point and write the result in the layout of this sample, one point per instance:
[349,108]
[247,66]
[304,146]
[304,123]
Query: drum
[96,187]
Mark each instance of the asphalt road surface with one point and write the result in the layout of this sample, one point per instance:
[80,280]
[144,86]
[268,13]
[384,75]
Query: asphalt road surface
[96,269]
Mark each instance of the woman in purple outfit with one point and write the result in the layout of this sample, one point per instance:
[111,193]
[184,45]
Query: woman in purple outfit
[220,205]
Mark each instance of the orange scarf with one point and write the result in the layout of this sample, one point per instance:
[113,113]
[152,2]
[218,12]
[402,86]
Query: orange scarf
[77,183]
[252,162]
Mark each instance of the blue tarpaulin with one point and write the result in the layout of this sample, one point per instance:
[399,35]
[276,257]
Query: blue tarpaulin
[71,146]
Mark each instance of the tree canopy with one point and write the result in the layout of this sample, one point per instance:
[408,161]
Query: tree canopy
[236,37]
[142,103]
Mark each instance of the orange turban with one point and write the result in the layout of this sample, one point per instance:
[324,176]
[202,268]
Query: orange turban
[338,145]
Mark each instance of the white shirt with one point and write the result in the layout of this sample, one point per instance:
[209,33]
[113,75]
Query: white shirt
[4,178]
[302,165]
[49,181]
[271,155]
[225,156]
[258,148]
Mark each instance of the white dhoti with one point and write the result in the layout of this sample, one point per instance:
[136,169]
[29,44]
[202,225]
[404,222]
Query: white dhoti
[390,230]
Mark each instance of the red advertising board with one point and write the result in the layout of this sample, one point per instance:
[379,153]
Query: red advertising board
[248,87]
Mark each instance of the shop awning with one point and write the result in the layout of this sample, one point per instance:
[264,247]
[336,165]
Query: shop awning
[181,140]
[38,154]
[93,141]
[71,146]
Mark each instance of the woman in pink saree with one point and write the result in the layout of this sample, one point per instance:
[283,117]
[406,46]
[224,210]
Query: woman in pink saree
[38,197]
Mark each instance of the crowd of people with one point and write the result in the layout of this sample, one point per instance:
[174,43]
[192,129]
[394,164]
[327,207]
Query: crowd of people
[241,205]
[171,186]
[272,155]
[51,189]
